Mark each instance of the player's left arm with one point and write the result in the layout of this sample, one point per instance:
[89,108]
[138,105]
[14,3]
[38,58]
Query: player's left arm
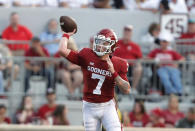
[123,85]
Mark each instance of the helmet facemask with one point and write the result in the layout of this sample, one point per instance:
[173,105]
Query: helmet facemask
[102,45]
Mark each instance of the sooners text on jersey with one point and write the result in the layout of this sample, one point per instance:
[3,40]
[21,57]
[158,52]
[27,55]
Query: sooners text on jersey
[98,81]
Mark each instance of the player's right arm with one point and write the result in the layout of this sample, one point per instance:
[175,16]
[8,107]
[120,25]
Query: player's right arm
[69,54]
[63,50]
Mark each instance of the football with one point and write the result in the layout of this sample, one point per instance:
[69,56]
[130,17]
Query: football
[67,24]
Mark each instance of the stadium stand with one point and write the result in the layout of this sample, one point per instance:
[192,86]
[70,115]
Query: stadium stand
[150,88]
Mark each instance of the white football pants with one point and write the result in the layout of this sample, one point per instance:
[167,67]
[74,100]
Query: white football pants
[97,114]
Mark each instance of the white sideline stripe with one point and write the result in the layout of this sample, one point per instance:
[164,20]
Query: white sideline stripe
[40,128]
[75,128]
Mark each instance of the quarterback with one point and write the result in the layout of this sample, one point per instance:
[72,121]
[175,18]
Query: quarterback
[101,72]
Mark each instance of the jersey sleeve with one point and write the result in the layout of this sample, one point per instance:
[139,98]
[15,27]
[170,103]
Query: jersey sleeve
[76,57]
[27,54]
[73,57]
[124,69]
[176,55]
[40,113]
[29,34]
[152,54]
[138,52]
[116,52]
[46,52]
[5,34]
[57,55]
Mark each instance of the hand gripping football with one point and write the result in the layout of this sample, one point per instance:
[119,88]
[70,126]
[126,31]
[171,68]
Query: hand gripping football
[68,24]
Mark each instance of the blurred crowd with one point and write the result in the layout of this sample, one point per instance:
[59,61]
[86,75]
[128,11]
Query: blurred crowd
[169,117]
[164,6]
[53,114]
[154,46]
[49,113]
[46,45]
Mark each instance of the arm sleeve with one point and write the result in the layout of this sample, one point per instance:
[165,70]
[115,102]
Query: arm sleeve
[139,52]
[27,54]
[177,56]
[73,57]
[46,52]
[115,53]
[124,76]
[4,34]
[28,33]
[124,70]
[39,113]
[152,54]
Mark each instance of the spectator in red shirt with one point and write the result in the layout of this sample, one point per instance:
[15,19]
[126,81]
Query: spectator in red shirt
[188,36]
[37,67]
[59,116]
[138,117]
[172,113]
[3,118]
[168,72]
[45,111]
[156,118]
[15,31]
[25,114]
[129,50]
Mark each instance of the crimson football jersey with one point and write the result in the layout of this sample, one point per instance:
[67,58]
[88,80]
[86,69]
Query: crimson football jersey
[98,81]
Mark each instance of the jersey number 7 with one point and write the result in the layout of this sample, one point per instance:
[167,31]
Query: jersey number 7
[101,78]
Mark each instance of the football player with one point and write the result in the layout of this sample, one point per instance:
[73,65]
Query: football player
[101,72]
